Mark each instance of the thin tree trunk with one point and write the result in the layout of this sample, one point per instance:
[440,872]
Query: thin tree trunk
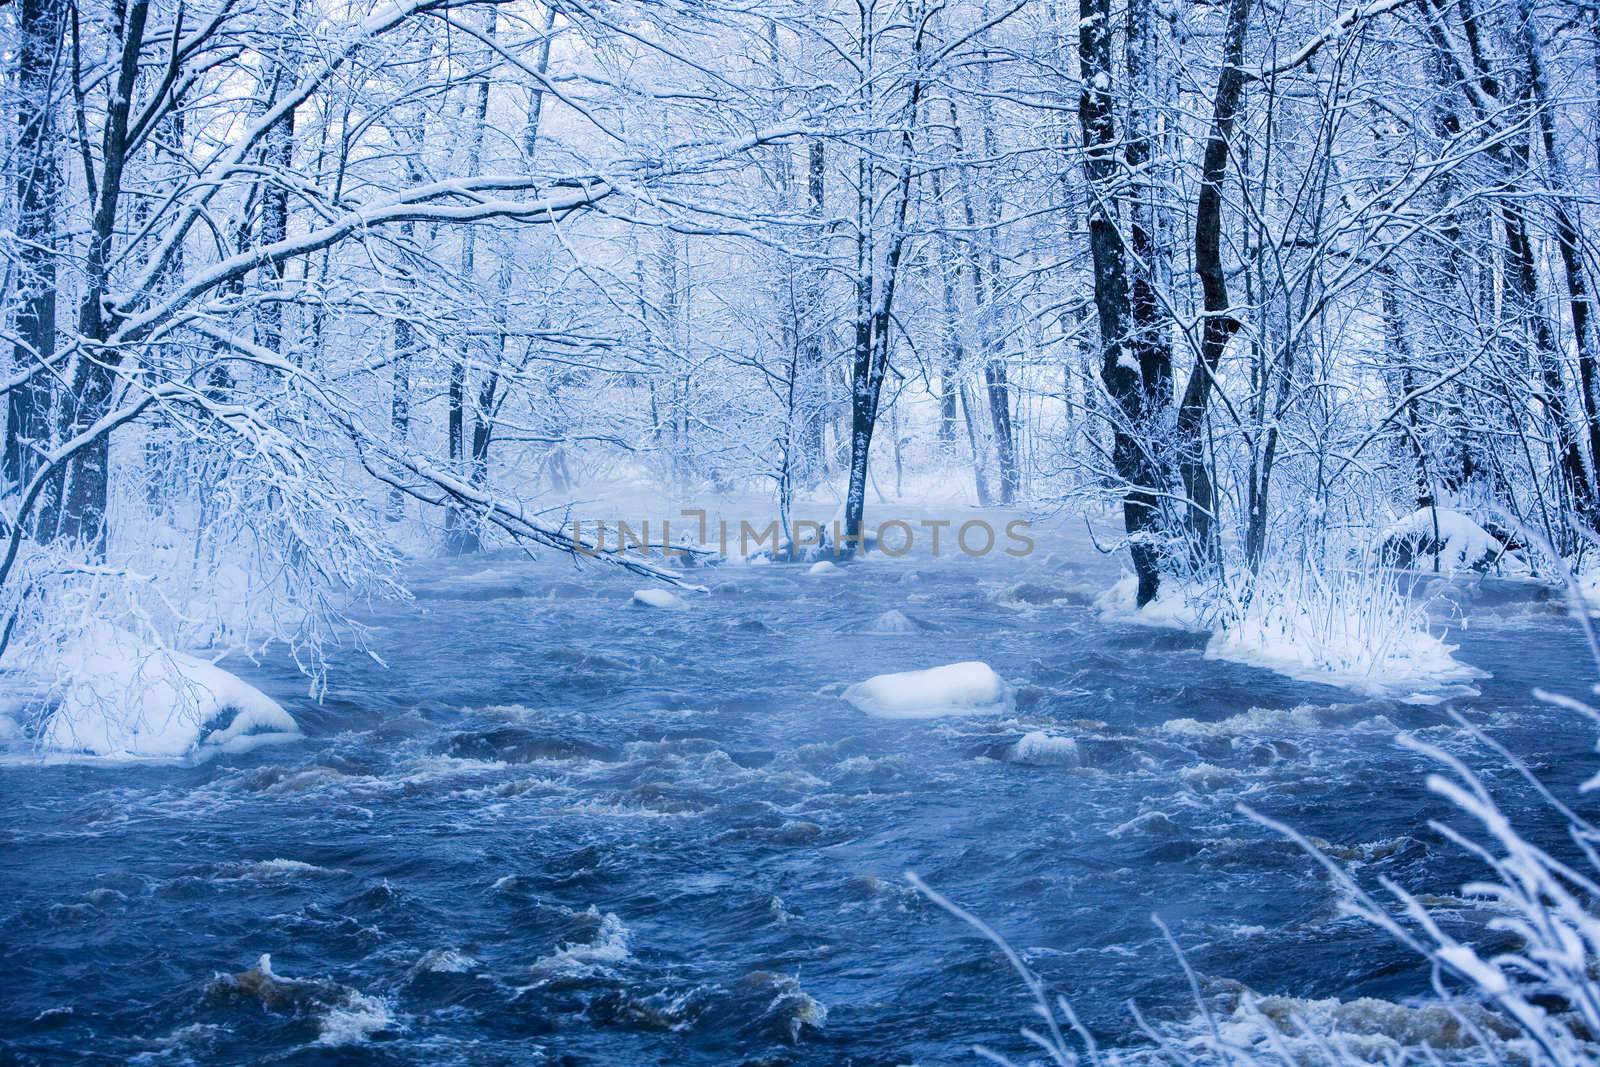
[1220,323]
[1569,241]
[461,535]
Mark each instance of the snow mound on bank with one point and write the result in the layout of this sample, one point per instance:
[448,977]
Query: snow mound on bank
[124,697]
[1459,543]
[662,599]
[969,688]
[1176,607]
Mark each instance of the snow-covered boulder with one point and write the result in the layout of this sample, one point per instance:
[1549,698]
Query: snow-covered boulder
[893,621]
[121,696]
[1039,749]
[969,688]
[824,566]
[661,599]
[1459,543]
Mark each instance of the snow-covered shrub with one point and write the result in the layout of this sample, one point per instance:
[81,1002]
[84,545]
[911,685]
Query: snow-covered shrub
[227,557]
[1356,626]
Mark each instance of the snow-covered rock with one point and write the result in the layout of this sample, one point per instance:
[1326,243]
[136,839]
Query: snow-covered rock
[121,696]
[823,566]
[1039,749]
[663,599]
[893,621]
[969,688]
[1459,543]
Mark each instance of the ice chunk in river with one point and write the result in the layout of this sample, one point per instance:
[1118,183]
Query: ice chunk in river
[124,697]
[969,688]
[659,598]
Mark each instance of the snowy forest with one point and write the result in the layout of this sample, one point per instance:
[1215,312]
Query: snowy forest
[1161,444]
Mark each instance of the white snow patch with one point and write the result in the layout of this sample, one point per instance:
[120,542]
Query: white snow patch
[969,688]
[824,566]
[664,599]
[124,697]
[1355,628]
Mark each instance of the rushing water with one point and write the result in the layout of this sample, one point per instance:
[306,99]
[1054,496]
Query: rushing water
[560,829]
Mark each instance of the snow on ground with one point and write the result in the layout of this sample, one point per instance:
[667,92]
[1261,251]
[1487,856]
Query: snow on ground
[121,696]
[1358,628]
[1175,607]
[969,688]
[1430,534]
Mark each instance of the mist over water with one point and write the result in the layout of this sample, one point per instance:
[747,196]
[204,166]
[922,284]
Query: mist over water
[560,828]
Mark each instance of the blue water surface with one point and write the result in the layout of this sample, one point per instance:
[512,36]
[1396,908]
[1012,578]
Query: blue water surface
[561,829]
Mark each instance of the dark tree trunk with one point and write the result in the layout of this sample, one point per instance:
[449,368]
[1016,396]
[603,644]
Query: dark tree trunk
[814,380]
[1123,377]
[79,512]
[1148,334]
[400,404]
[40,24]
[274,228]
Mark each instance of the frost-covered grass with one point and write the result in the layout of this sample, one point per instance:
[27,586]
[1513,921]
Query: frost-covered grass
[1356,626]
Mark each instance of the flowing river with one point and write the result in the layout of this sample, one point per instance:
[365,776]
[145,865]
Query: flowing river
[561,829]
